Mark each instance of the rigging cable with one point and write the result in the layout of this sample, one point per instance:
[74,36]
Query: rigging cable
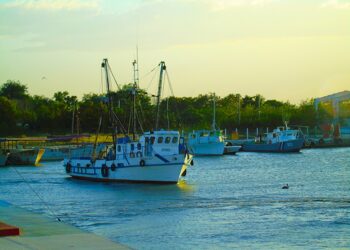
[172,92]
[110,70]
[150,83]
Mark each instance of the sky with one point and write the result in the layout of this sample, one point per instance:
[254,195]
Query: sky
[289,50]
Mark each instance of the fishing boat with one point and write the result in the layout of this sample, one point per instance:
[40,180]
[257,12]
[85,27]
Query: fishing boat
[207,142]
[24,156]
[281,140]
[17,152]
[157,156]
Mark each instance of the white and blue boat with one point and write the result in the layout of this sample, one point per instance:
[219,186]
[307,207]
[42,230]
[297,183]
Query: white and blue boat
[158,156]
[280,140]
[207,142]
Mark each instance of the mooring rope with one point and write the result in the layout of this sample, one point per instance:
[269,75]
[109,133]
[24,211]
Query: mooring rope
[33,190]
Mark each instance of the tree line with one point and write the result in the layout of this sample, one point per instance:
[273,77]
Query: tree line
[22,113]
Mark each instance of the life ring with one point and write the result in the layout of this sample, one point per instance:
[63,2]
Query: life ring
[132,155]
[113,167]
[104,170]
[139,154]
[68,168]
[142,163]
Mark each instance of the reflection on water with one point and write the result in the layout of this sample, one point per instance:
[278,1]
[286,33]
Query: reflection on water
[224,202]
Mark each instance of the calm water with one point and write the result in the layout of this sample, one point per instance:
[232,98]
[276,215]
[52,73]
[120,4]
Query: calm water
[225,202]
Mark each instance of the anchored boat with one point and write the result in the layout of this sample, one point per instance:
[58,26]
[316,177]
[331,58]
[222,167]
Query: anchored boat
[207,142]
[281,140]
[158,156]
[25,156]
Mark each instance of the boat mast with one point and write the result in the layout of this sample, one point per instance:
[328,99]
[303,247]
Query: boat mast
[162,68]
[133,92]
[213,126]
[110,100]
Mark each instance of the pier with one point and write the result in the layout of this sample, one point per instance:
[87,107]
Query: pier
[40,232]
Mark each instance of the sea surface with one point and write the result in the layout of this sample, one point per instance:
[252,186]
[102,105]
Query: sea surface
[224,202]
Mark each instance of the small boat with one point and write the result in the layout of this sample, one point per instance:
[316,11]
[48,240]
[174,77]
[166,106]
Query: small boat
[281,140]
[231,150]
[3,157]
[23,156]
[58,153]
[207,142]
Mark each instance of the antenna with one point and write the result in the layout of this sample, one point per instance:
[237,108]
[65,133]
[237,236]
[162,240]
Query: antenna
[214,123]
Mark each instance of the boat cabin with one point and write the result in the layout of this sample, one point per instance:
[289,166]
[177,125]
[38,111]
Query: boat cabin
[150,143]
[281,135]
[205,136]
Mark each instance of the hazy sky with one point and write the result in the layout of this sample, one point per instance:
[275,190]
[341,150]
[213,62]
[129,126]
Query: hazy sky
[282,49]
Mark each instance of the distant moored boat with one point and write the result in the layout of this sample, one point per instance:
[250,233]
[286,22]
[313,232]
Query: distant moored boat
[280,140]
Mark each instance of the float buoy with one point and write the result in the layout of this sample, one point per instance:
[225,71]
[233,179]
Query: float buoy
[104,170]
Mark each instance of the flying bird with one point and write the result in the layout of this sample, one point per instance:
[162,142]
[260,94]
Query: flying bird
[43,78]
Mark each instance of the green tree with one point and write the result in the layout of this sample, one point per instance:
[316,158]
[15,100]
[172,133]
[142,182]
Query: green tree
[13,90]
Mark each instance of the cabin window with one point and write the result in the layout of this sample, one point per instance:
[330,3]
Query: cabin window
[174,139]
[139,146]
[160,139]
[152,139]
[132,147]
[119,148]
[167,139]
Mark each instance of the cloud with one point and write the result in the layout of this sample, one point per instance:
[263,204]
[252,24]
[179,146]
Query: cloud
[52,5]
[336,4]
[218,5]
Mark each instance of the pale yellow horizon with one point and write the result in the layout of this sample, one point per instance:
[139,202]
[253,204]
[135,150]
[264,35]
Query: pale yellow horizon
[281,49]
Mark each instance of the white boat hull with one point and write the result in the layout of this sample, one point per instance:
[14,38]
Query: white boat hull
[154,170]
[207,148]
